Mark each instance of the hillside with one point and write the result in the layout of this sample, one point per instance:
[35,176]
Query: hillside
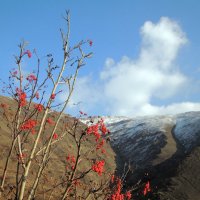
[56,169]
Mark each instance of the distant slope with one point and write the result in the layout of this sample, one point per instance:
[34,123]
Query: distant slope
[165,147]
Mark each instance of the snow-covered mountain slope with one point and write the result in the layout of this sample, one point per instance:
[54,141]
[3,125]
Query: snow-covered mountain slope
[187,129]
[107,119]
[142,140]
[165,147]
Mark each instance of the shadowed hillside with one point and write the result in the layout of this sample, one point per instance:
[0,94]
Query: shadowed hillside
[163,150]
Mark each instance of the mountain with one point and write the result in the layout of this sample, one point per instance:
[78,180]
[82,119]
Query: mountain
[161,149]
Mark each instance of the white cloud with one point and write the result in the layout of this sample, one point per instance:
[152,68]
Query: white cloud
[130,85]
[161,43]
[173,108]
[85,95]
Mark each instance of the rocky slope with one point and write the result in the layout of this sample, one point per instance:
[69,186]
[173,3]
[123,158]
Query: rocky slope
[164,147]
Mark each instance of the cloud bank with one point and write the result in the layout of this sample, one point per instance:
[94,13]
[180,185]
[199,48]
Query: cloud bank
[129,86]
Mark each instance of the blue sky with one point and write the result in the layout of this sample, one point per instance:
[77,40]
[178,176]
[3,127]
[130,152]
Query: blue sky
[123,77]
